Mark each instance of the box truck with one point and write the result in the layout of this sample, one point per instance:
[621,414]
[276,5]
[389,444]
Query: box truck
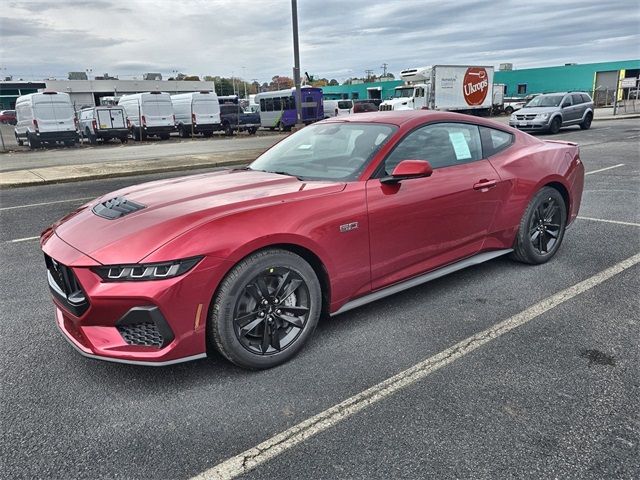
[462,88]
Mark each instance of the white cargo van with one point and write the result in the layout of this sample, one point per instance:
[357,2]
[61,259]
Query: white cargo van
[46,117]
[335,108]
[150,114]
[196,112]
[104,122]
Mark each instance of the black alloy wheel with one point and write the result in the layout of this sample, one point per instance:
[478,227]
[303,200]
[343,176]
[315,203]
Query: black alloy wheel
[272,311]
[265,309]
[586,124]
[541,228]
[555,125]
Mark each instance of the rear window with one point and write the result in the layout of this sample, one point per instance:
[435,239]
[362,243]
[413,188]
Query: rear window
[344,105]
[158,109]
[53,111]
[204,107]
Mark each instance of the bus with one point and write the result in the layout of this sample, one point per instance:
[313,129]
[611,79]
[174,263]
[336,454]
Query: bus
[278,109]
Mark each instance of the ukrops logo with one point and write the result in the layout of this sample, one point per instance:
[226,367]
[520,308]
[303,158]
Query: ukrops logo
[475,85]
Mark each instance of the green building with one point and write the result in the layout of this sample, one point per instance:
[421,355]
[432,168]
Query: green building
[599,79]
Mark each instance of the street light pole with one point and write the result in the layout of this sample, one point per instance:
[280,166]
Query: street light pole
[296,63]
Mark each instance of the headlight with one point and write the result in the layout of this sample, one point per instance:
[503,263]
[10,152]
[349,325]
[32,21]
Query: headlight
[542,116]
[146,271]
[513,116]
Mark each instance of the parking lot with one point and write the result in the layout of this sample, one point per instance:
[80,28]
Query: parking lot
[489,373]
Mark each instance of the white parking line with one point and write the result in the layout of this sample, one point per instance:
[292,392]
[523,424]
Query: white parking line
[46,203]
[25,239]
[297,434]
[604,169]
[617,222]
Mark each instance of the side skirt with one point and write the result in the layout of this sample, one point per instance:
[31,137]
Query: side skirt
[427,277]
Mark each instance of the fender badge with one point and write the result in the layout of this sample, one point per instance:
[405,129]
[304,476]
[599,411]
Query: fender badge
[347,227]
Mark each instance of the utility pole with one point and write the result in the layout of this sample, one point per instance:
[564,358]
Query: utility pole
[296,63]
[384,69]
[368,73]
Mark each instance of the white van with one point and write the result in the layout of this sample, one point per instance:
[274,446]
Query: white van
[149,113]
[196,112]
[104,122]
[46,117]
[334,108]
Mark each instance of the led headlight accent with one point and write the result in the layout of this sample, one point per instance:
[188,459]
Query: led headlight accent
[146,271]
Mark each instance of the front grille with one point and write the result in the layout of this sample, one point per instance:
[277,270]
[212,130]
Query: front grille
[66,287]
[386,108]
[528,116]
[144,334]
[116,207]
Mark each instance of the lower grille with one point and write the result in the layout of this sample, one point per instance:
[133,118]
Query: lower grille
[144,334]
[385,108]
[530,116]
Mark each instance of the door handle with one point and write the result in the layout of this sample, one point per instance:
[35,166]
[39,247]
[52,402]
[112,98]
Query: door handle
[485,184]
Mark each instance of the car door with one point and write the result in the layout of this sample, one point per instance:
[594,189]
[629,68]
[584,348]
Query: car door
[420,224]
[579,105]
[569,113]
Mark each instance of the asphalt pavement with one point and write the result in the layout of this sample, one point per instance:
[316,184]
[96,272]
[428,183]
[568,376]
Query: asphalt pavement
[557,397]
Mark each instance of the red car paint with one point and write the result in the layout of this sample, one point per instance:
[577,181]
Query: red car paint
[403,230]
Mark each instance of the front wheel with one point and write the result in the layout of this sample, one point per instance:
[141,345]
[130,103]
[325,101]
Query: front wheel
[555,125]
[265,310]
[508,110]
[541,228]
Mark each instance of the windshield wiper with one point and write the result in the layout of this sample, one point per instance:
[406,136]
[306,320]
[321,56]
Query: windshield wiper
[287,174]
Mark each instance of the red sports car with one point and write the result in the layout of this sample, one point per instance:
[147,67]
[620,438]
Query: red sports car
[344,212]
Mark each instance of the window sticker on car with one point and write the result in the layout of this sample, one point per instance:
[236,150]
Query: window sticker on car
[460,145]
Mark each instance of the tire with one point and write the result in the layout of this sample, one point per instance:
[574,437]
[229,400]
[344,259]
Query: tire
[19,141]
[208,134]
[92,138]
[165,136]
[264,344]
[586,123]
[253,130]
[281,127]
[137,135]
[508,110]
[544,220]
[33,142]
[555,125]
[228,131]
[69,143]
[124,139]
[182,132]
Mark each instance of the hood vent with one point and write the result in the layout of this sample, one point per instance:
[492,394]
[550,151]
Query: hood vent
[116,208]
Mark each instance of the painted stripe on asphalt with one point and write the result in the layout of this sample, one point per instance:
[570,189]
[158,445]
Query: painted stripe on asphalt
[26,239]
[274,446]
[46,203]
[605,169]
[617,222]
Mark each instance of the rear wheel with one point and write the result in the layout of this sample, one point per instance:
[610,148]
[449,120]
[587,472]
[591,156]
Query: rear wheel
[556,123]
[586,123]
[124,139]
[182,132]
[228,131]
[281,127]
[69,143]
[164,136]
[508,110]
[266,308]
[33,142]
[253,130]
[19,141]
[542,228]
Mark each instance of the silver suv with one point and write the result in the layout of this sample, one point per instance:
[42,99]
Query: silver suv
[551,111]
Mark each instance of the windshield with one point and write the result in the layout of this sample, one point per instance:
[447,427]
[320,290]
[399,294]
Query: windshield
[330,151]
[403,92]
[545,101]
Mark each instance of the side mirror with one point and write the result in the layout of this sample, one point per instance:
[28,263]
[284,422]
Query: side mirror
[564,105]
[407,169]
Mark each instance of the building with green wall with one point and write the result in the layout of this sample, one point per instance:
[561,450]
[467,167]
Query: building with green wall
[601,78]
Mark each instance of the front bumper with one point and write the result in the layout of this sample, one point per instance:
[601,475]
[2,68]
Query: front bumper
[158,322]
[536,124]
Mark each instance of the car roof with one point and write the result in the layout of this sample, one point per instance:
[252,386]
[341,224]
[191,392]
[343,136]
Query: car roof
[415,117]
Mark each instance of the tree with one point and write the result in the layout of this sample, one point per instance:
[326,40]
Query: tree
[333,82]
[280,83]
[192,78]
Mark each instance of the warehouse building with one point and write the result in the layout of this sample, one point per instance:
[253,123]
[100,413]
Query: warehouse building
[601,79]
[89,92]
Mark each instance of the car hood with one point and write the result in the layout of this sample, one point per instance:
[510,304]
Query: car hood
[537,110]
[172,207]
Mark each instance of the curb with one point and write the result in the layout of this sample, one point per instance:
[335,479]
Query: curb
[625,116]
[78,173]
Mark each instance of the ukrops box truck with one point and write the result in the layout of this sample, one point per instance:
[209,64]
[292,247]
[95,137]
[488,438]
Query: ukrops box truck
[463,88]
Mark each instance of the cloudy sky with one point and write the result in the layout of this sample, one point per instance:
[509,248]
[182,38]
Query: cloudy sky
[338,38]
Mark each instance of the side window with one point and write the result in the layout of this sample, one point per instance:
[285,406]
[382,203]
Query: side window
[566,101]
[494,141]
[262,106]
[419,92]
[577,98]
[276,104]
[441,144]
[522,88]
[585,98]
[269,104]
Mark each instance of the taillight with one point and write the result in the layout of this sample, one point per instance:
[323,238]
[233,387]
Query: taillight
[35,124]
[193,118]
[336,112]
[95,125]
[76,123]
[143,120]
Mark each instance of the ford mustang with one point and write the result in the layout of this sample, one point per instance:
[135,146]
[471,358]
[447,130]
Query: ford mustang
[344,212]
